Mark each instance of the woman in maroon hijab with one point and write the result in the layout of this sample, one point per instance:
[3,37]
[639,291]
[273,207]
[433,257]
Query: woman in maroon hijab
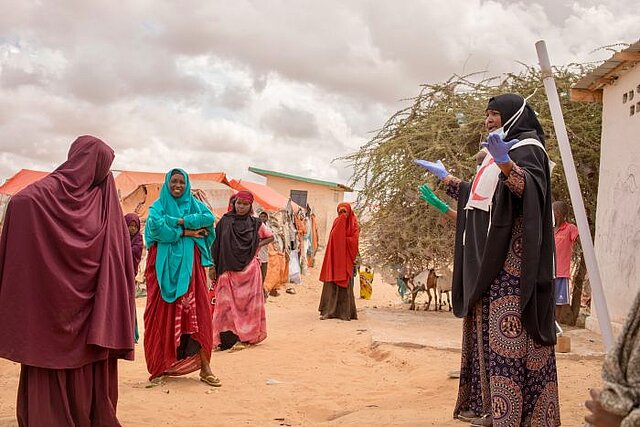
[67,291]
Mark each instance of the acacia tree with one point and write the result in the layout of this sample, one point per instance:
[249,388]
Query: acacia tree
[446,121]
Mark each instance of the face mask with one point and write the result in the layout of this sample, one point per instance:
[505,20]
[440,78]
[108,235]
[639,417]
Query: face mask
[500,131]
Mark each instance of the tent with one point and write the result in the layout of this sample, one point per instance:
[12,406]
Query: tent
[266,197]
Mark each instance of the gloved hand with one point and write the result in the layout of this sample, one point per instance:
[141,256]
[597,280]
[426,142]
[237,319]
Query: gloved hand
[498,148]
[428,196]
[437,168]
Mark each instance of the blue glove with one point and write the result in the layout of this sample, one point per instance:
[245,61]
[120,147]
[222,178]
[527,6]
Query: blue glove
[498,148]
[437,168]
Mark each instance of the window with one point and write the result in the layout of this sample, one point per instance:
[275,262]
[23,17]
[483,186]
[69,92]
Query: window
[631,95]
[299,197]
[632,110]
[624,97]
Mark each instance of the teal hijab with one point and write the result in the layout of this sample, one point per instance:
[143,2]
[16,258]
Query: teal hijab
[174,258]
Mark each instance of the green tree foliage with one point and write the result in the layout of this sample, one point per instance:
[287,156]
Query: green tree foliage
[446,121]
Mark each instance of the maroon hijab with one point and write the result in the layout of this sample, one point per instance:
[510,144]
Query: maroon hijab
[66,274]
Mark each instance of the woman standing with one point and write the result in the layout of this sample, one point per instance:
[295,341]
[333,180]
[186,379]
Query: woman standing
[503,274]
[239,318]
[177,320]
[337,300]
[67,291]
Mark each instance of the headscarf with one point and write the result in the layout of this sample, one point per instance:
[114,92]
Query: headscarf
[621,371]
[342,248]
[238,239]
[526,126]
[66,275]
[174,258]
[136,240]
[481,250]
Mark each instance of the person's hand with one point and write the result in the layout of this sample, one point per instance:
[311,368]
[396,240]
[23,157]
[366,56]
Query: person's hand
[198,234]
[181,221]
[212,274]
[436,168]
[600,417]
[428,196]
[498,148]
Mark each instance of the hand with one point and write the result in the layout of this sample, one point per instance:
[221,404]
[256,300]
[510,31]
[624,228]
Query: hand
[428,196]
[437,168]
[498,148]
[212,274]
[198,234]
[181,221]
[600,417]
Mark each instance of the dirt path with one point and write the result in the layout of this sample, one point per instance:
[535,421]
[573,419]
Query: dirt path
[312,372]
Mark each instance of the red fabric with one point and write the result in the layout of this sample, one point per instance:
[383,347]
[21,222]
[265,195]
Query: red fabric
[342,249]
[82,397]
[165,323]
[66,274]
[565,237]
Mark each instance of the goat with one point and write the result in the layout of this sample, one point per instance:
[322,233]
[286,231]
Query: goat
[445,279]
[425,281]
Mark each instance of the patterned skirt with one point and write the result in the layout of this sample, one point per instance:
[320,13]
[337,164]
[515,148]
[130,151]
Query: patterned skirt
[503,371]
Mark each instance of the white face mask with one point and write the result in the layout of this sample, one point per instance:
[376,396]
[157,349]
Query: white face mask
[500,131]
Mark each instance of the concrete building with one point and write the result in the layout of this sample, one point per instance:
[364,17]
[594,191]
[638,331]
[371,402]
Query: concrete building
[322,196]
[616,84]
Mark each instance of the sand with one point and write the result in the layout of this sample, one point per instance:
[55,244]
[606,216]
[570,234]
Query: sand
[313,372]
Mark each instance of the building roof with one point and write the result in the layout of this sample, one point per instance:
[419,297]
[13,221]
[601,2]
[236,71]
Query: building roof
[265,172]
[589,88]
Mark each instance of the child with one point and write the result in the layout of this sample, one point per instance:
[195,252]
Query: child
[566,234]
[263,252]
[133,223]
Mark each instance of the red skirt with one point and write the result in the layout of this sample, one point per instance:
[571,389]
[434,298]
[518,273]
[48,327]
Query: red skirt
[169,326]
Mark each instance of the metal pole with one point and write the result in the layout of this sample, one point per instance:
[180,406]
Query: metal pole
[576,196]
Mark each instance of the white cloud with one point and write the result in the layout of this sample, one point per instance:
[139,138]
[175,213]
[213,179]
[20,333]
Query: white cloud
[284,85]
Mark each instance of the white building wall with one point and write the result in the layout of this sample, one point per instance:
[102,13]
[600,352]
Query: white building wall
[617,240]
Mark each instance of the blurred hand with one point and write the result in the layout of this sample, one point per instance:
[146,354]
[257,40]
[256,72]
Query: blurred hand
[599,417]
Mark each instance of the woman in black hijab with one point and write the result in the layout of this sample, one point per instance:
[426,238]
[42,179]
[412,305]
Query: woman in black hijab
[503,274]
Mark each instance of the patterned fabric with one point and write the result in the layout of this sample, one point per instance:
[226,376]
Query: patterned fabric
[452,187]
[515,181]
[621,372]
[503,371]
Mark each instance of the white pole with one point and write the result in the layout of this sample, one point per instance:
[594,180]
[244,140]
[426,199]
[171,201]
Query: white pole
[576,196]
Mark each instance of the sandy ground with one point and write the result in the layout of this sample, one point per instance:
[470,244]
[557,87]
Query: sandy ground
[312,372]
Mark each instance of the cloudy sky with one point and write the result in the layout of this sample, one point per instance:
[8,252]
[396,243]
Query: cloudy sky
[285,85]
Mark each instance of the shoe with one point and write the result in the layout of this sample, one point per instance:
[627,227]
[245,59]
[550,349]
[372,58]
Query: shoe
[291,291]
[466,416]
[483,421]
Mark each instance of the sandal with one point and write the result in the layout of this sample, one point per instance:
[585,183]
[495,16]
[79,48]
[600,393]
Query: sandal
[239,346]
[483,421]
[466,416]
[211,380]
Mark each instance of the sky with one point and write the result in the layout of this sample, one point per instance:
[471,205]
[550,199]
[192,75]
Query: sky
[285,85]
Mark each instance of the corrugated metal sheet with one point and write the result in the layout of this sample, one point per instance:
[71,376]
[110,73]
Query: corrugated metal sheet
[609,70]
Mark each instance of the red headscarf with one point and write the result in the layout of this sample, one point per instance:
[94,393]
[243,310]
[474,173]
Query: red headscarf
[66,273]
[342,248]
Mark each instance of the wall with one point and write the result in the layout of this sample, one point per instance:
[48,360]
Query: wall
[322,199]
[617,240]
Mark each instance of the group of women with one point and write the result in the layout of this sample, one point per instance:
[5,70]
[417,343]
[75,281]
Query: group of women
[67,280]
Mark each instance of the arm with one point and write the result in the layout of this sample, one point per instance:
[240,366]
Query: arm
[265,235]
[163,228]
[198,220]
